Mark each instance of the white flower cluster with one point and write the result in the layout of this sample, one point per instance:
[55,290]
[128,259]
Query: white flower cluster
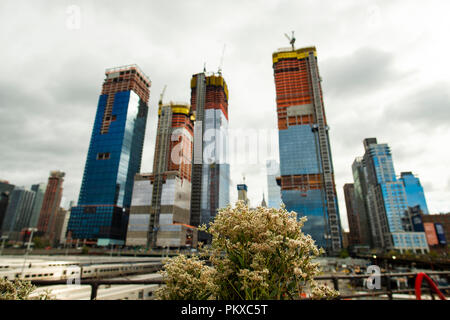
[255,254]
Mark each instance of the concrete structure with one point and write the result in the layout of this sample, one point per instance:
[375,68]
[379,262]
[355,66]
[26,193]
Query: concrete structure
[114,158]
[210,171]
[274,191]
[160,207]
[50,206]
[306,167]
[414,191]
[386,202]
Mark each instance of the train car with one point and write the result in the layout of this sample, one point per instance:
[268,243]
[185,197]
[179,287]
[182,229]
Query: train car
[68,271]
[42,273]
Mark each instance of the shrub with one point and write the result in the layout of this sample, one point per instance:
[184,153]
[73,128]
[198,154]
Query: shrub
[255,254]
[19,290]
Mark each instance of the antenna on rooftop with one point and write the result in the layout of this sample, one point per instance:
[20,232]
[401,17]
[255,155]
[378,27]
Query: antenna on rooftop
[291,40]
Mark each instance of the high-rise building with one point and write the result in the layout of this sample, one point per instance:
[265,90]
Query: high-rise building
[360,205]
[274,191]
[210,171]
[414,191]
[114,157]
[18,213]
[50,205]
[5,193]
[354,235]
[65,216]
[242,193]
[386,201]
[60,220]
[160,207]
[306,168]
[263,202]
[39,190]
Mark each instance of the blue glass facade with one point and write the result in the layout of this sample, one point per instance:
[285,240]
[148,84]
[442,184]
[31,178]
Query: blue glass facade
[387,217]
[414,191]
[299,156]
[298,151]
[113,159]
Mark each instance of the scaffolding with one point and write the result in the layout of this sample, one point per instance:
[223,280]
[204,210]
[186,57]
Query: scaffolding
[328,181]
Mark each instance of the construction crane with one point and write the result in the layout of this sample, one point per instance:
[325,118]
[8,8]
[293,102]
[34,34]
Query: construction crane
[291,40]
[161,96]
[221,60]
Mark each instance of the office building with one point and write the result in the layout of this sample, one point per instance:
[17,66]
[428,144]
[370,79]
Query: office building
[359,205]
[39,190]
[210,171]
[414,191]
[50,205]
[274,191]
[354,235]
[160,206]
[263,202]
[60,222]
[242,193]
[113,159]
[18,213]
[386,202]
[5,193]
[306,167]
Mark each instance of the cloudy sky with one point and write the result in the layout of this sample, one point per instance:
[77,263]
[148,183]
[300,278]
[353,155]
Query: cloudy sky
[384,66]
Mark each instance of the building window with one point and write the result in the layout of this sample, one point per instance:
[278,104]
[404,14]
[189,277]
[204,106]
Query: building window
[103,156]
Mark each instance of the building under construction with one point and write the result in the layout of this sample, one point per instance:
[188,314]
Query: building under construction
[306,169]
[160,207]
[114,157]
[210,171]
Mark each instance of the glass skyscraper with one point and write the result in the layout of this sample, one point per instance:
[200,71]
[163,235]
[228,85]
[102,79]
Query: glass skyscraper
[113,159]
[210,170]
[386,201]
[414,191]
[39,189]
[306,168]
[18,214]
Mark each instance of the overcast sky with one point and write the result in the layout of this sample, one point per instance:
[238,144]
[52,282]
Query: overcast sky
[384,66]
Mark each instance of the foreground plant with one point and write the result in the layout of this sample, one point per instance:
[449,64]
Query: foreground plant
[19,290]
[255,254]
[187,279]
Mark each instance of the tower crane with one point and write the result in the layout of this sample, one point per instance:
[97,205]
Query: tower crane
[291,40]
[162,95]
[221,60]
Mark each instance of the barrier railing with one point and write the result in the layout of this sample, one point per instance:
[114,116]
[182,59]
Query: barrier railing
[95,283]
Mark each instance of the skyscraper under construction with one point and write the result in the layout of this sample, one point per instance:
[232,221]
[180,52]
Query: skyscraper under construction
[114,157]
[160,207]
[210,171]
[306,169]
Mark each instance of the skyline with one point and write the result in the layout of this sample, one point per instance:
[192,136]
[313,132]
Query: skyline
[63,69]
